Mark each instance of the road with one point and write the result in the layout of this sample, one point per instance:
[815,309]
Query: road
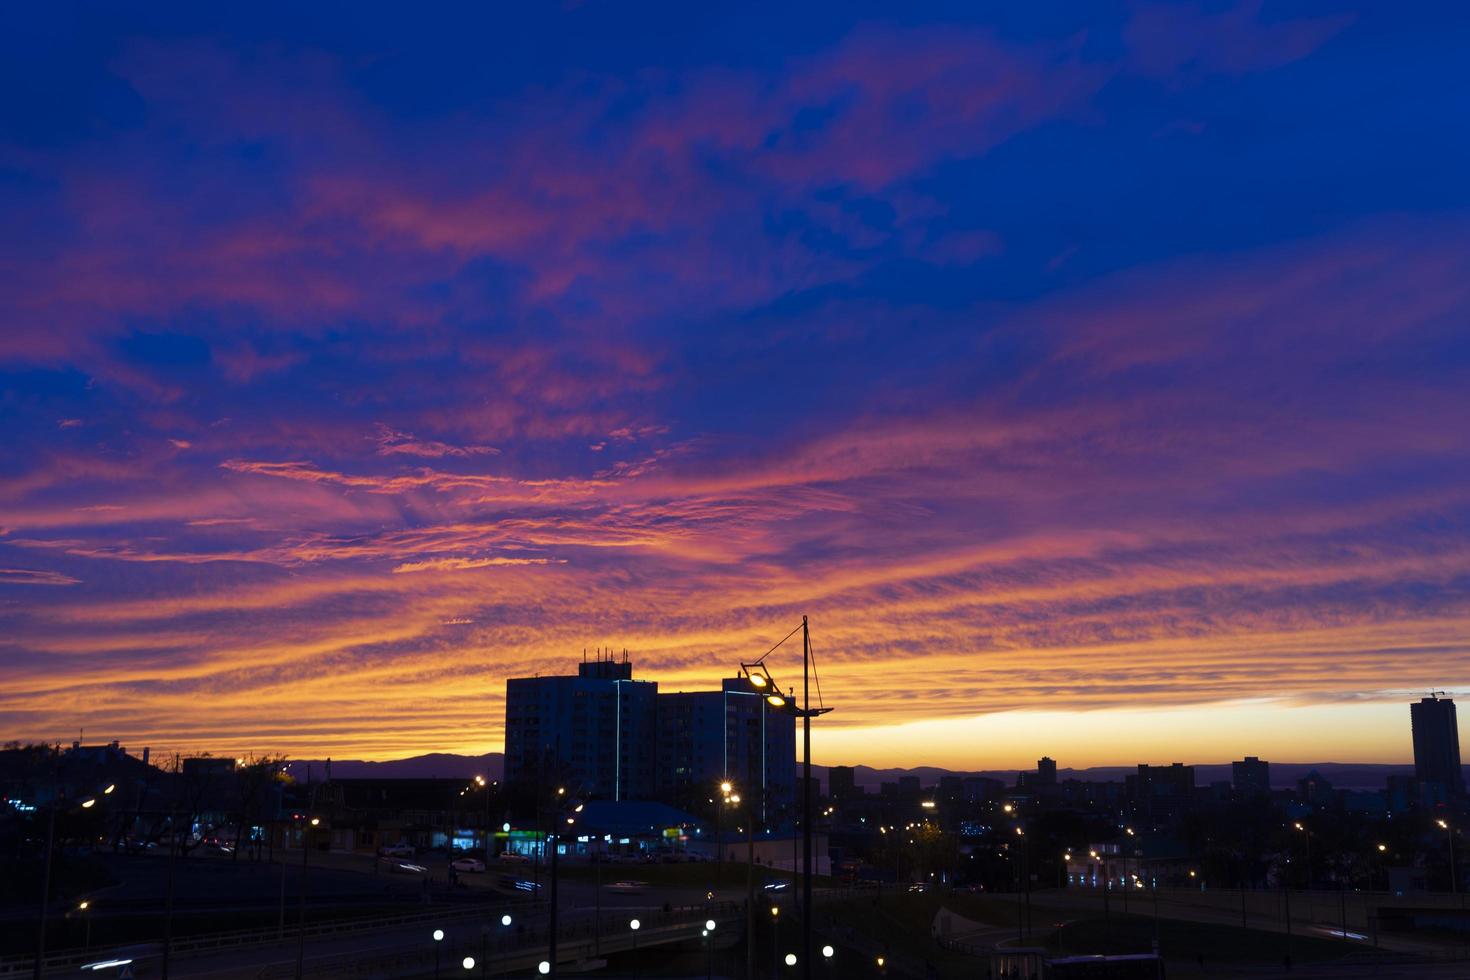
[469,913]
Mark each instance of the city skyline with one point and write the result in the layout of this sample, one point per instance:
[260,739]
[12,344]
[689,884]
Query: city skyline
[1096,383]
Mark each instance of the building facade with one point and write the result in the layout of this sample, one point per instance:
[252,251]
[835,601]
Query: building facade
[607,736]
[709,737]
[595,732]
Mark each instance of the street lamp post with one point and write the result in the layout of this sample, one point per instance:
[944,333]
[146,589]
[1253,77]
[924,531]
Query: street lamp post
[438,941]
[301,900]
[733,799]
[1307,831]
[726,787]
[1106,882]
[1449,834]
[46,877]
[775,939]
[763,683]
[1127,882]
[485,788]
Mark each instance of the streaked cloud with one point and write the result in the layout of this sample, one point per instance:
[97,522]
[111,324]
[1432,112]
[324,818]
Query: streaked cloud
[1070,374]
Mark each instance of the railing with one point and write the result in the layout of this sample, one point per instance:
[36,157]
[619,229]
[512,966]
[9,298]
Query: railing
[578,939]
[246,938]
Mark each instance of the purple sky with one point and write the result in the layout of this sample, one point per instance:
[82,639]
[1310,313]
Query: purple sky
[1097,381]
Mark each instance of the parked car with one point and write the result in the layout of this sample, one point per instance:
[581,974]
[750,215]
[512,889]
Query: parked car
[511,857]
[397,850]
[467,864]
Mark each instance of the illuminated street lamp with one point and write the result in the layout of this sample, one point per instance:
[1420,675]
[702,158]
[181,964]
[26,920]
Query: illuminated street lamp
[758,676]
[83,907]
[1307,831]
[438,940]
[1449,833]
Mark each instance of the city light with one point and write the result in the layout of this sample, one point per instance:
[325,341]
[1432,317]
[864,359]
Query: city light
[543,968]
[438,935]
[828,951]
[709,925]
[635,925]
[468,962]
[505,919]
[790,959]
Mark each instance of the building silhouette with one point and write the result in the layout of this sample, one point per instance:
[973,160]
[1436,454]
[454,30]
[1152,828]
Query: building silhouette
[1250,777]
[841,783]
[1437,745]
[1162,792]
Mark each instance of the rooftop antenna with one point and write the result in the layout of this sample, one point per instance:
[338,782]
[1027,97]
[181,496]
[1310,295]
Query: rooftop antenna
[1437,694]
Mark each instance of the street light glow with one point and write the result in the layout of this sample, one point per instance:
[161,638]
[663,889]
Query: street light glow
[828,951]
[790,959]
[709,925]
[438,935]
[726,787]
[468,962]
[635,925]
[505,919]
[88,804]
[543,968]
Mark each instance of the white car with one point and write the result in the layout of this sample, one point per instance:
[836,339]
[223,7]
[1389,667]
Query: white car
[467,864]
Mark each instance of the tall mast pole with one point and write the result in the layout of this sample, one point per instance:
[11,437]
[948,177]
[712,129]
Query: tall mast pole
[806,804]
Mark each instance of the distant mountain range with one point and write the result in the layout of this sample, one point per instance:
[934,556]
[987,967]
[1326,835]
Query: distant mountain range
[1342,775]
[435,765]
[444,765]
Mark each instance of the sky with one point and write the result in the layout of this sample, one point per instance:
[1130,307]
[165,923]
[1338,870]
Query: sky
[1095,377]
